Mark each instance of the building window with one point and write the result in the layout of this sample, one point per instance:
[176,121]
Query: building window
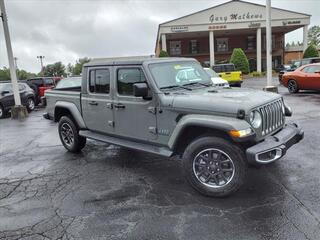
[222,44]
[194,47]
[127,77]
[175,48]
[99,81]
[251,42]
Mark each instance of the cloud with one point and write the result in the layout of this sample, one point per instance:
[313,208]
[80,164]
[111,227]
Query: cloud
[70,29]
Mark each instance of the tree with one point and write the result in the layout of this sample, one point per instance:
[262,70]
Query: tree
[163,54]
[311,51]
[314,36]
[77,68]
[240,60]
[54,70]
[4,74]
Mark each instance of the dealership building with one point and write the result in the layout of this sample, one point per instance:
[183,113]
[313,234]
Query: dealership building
[211,35]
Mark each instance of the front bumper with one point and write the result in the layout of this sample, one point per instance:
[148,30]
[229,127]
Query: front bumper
[274,147]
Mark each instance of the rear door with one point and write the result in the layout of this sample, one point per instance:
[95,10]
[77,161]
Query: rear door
[135,117]
[8,98]
[97,101]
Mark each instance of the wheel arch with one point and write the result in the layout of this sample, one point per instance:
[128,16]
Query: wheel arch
[191,127]
[67,108]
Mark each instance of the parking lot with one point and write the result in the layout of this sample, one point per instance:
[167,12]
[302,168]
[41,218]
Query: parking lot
[107,192]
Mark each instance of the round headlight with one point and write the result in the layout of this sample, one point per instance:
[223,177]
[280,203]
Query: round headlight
[255,119]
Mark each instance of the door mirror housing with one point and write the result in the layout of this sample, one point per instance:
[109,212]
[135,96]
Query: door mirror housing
[4,92]
[140,89]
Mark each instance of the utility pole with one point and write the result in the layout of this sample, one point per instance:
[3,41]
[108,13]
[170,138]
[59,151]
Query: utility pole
[18,111]
[41,62]
[270,87]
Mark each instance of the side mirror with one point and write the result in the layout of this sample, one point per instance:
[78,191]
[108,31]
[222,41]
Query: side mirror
[4,92]
[140,89]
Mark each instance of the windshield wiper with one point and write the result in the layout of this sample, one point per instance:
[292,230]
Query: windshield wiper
[176,86]
[193,83]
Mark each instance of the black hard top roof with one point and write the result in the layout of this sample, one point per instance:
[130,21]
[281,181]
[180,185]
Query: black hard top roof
[132,61]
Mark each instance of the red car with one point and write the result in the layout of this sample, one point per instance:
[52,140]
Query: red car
[306,77]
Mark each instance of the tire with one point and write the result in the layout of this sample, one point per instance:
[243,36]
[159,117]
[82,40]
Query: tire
[30,104]
[293,86]
[2,112]
[69,135]
[227,166]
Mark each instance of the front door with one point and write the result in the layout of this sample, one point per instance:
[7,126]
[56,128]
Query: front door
[97,101]
[135,117]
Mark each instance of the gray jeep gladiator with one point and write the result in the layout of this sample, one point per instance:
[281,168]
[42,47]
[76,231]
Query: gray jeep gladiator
[148,105]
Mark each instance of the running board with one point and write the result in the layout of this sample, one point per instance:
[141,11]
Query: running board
[163,151]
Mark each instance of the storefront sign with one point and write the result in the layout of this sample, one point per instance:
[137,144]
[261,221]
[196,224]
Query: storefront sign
[216,27]
[179,29]
[254,25]
[235,17]
[284,23]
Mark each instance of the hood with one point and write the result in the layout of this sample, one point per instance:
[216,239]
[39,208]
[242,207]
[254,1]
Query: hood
[217,80]
[225,101]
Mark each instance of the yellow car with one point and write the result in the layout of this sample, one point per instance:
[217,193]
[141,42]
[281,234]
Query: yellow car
[228,72]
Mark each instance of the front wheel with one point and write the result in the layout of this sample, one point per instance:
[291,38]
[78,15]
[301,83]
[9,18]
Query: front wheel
[214,167]
[293,86]
[69,135]
[2,112]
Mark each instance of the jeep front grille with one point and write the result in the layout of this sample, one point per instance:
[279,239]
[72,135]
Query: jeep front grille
[272,116]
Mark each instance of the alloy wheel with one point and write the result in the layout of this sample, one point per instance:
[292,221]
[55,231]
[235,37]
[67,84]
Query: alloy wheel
[67,134]
[31,104]
[213,168]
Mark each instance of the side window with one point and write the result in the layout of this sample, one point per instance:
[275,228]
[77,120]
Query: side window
[306,69]
[126,77]
[99,81]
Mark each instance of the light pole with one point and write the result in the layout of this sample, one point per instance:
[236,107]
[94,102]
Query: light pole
[15,62]
[41,61]
[18,111]
[270,87]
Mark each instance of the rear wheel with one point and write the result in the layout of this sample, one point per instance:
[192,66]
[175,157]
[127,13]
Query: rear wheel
[30,104]
[293,86]
[214,167]
[69,135]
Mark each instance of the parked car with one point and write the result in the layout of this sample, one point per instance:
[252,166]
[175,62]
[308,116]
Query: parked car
[306,77]
[141,104]
[229,73]
[298,63]
[216,79]
[7,99]
[40,85]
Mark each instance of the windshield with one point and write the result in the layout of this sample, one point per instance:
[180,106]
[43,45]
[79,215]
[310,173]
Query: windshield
[69,82]
[211,73]
[178,74]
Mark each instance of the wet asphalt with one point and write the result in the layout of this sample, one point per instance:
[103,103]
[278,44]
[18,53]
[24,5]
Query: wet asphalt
[107,192]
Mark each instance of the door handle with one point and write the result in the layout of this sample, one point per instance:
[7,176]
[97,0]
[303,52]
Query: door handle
[93,103]
[119,105]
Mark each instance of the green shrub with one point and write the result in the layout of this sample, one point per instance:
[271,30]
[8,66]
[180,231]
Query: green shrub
[240,60]
[163,54]
[311,51]
[256,74]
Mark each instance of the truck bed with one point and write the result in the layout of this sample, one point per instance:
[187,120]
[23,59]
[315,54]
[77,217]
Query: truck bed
[72,95]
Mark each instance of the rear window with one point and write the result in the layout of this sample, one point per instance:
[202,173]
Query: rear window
[48,81]
[224,68]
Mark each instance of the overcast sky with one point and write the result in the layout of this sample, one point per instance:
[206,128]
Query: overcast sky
[65,30]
